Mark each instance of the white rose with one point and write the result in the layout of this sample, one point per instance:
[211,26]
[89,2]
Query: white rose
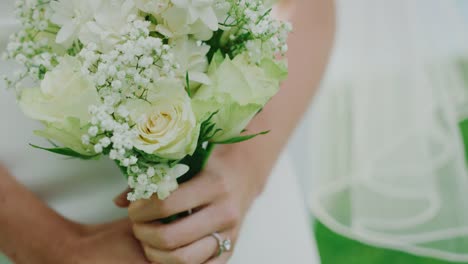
[64,93]
[238,91]
[62,103]
[166,123]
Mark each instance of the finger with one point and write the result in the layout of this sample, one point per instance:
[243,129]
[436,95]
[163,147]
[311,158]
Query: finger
[223,259]
[225,256]
[187,230]
[198,192]
[121,200]
[197,252]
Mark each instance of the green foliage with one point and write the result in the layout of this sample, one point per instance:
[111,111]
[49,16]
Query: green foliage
[67,152]
[200,157]
[215,45]
[464,132]
[208,129]
[241,138]
[187,84]
[42,72]
[76,47]
[151,159]
[151,18]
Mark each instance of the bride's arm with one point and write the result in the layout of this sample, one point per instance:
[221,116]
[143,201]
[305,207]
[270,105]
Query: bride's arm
[31,232]
[236,174]
[27,225]
[309,48]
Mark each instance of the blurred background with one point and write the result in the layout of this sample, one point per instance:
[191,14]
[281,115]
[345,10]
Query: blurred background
[382,152]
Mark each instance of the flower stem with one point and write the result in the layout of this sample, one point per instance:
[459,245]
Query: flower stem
[197,163]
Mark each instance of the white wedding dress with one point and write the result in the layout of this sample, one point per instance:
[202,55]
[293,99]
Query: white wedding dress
[277,229]
[385,157]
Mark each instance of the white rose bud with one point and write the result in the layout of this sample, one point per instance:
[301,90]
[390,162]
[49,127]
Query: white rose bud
[165,121]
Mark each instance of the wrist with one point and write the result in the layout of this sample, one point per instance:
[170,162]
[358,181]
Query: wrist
[54,248]
[246,163]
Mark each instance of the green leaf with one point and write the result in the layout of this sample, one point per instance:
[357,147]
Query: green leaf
[151,158]
[208,128]
[241,138]
[215,44]
[53,143]
[463,125]
[187,88]
[66,152]
[42,72]
[156,34]
[151,18]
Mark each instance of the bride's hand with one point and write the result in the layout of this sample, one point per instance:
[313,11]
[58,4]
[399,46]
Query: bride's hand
[31,232]
[219,197]
[111,243]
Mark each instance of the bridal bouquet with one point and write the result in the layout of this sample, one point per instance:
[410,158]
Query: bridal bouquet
[152,84]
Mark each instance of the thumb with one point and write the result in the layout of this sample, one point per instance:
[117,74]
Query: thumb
[121,200]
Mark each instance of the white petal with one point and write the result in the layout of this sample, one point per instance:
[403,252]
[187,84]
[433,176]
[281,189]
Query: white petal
[199,77]
[179,170]
[193,15]
[208,16]
[66,32]
[180,3]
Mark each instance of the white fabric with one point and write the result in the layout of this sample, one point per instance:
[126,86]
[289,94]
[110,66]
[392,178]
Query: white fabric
[385,153]
[276,230]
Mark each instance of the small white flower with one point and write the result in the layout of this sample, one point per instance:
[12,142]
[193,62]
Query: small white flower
[152,188]
[92,131]
[85,139]
[135,169]
[116,84]
[131,197]
[133,160]
[142,179]
[125,163]
[105,142]
[113,155]
[151,172]
[98,148]
[169,182]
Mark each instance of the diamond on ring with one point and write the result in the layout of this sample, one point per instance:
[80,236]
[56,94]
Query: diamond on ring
[227,244]
[223,245]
